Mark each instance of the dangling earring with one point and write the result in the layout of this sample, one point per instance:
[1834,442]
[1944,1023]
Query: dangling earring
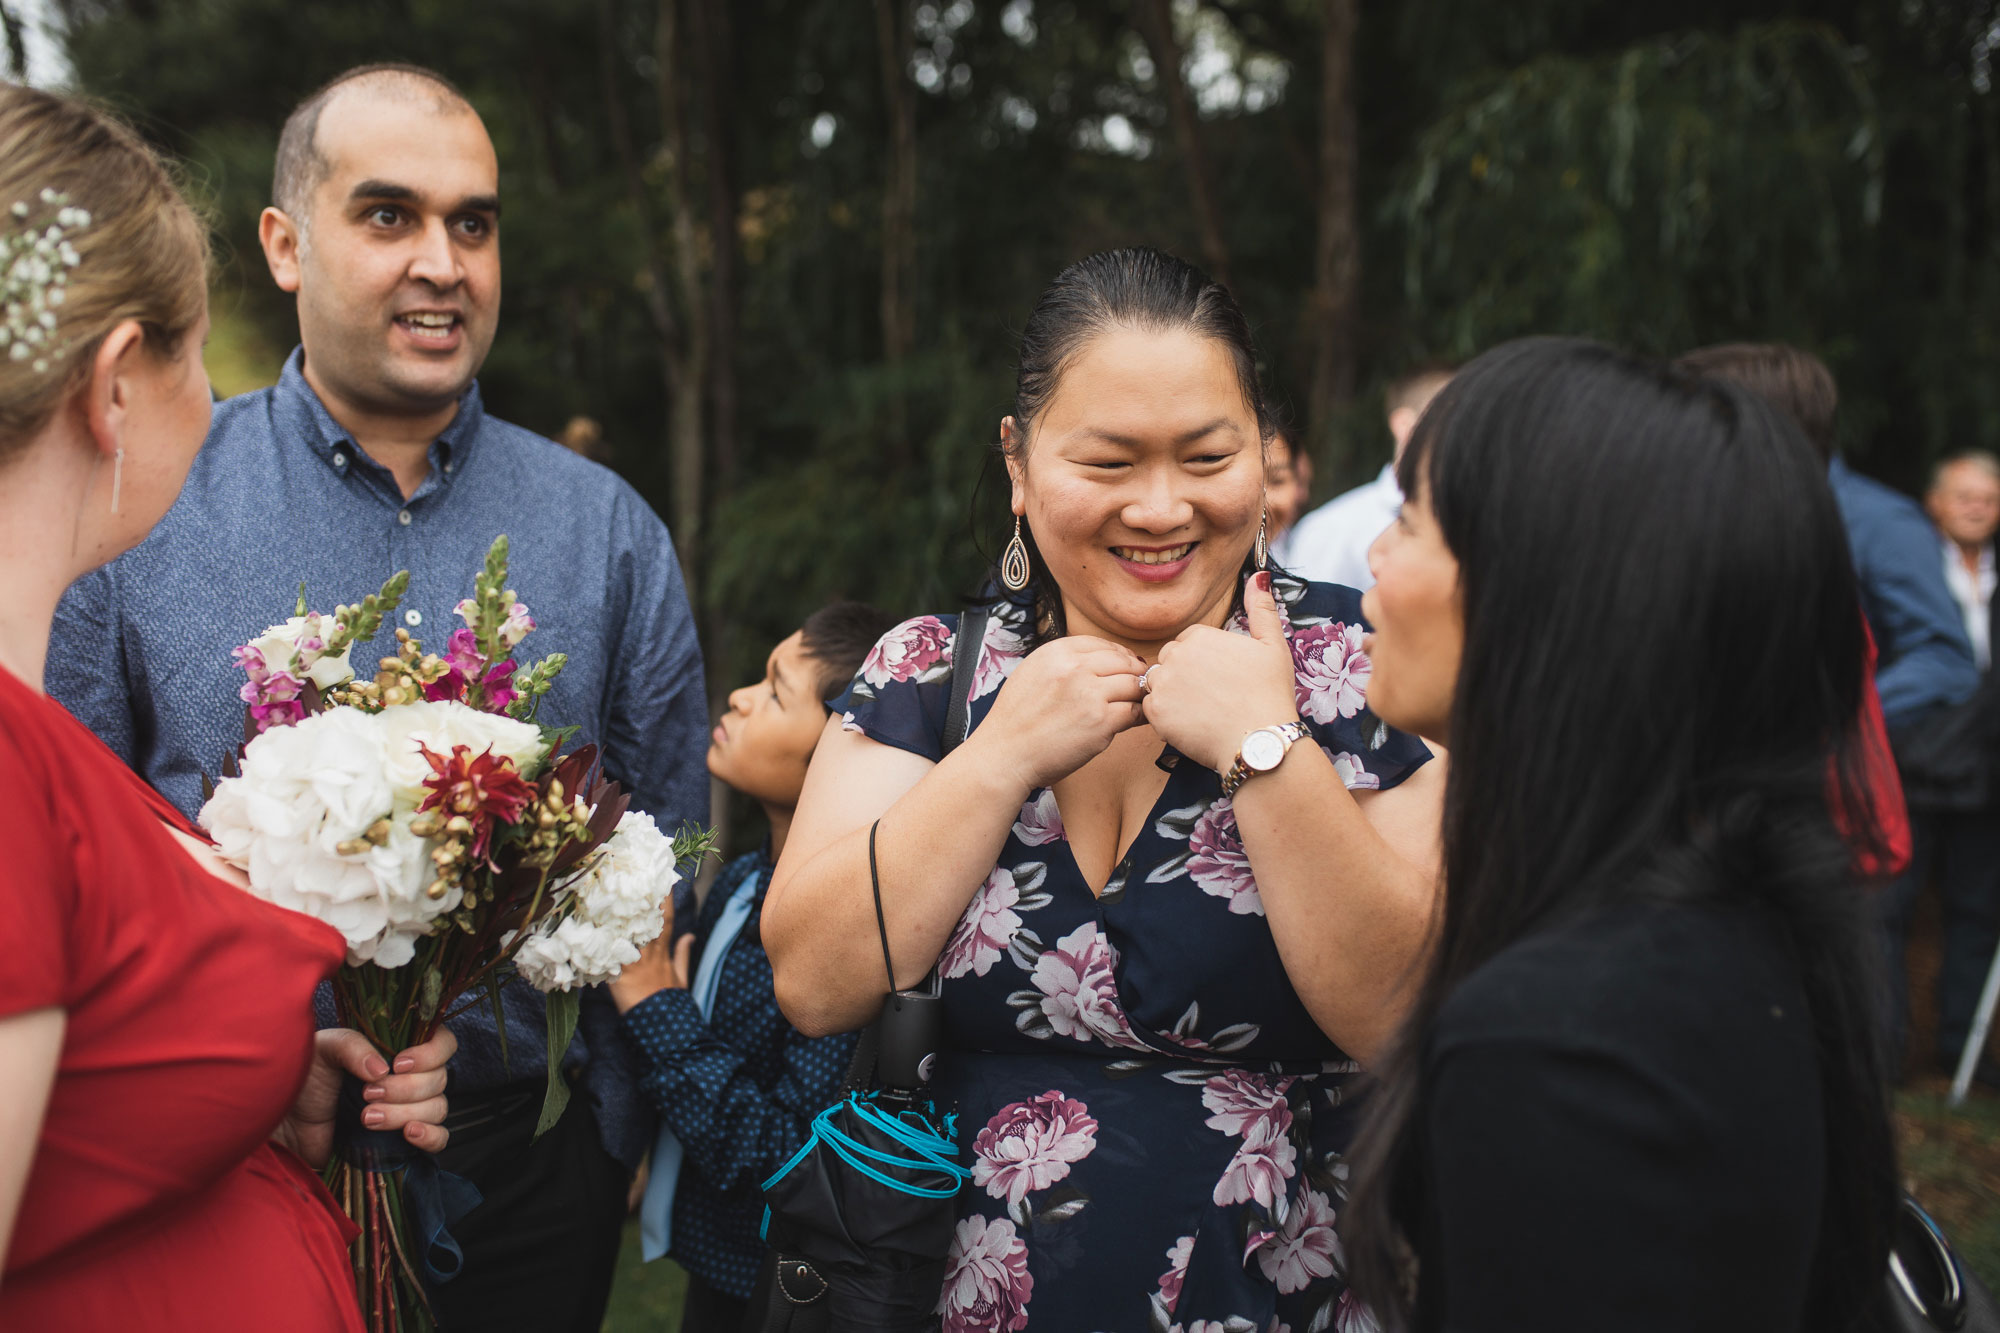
[1263,548]
[117,475]
[1014,561]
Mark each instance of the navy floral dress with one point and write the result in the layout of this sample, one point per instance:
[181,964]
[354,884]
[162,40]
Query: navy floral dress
[1155,1123]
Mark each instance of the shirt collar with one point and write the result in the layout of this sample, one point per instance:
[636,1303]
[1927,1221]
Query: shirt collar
[300,414]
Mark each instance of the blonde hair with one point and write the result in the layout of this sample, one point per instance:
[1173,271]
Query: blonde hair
[143,256]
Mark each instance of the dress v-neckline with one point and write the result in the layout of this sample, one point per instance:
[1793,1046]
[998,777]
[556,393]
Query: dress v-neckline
[1122,862]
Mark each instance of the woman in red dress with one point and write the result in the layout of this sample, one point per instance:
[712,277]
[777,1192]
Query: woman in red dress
[165,1098]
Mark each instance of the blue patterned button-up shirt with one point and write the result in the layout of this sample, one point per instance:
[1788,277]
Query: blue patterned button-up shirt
[739,1090]
[280,493]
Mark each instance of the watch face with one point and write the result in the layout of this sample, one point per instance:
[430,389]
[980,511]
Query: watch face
[1263,750]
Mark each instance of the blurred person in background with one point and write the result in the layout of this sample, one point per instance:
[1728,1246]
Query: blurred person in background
[1288,473]
[1949,771]
[1640,1088]
[735,1085]
[165,1107]
[1330,545]
[374,453]
[1924,664]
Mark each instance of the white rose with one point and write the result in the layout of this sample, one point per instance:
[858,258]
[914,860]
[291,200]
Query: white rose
[282,650]
[438,727]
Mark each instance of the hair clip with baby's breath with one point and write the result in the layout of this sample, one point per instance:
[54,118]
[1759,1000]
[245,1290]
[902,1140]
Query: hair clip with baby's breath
[34,270]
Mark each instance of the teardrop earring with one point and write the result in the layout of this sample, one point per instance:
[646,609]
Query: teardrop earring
[117,475]
[1263,548]
[1014,561]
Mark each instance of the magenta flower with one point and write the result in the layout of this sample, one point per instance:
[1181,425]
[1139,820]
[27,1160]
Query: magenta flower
[1040,821]
[913,650]
[986,1279]
[1332,671]
[468,665]
[1030,1145]
[1077,978]
[1305,1249]
[1264,1161]
[273,696]
[1239,1100]
[988,926]
[1218,863]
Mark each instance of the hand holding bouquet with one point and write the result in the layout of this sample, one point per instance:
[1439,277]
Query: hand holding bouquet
[426,816]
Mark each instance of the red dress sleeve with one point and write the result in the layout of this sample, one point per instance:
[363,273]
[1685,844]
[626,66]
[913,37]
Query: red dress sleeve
[37,887]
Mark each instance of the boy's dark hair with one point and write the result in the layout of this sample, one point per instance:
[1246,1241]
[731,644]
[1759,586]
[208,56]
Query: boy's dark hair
[1796,382]
[837,637]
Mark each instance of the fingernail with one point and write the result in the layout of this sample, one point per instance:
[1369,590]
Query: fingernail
[405,1064]
[1263,580]
[375,1068]
[373,1116]
[374,1092]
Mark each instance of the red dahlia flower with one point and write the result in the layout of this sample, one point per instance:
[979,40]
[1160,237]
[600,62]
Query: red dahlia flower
[486,789]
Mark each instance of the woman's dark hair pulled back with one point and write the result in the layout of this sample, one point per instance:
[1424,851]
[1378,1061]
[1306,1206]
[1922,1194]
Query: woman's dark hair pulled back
[1658,699]
[1135,288]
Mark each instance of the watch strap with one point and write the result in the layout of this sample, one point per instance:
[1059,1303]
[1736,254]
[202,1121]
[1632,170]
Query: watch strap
[1240,772]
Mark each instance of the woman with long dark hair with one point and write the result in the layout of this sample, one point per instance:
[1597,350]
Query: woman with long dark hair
[1638,1089]
[1173,879]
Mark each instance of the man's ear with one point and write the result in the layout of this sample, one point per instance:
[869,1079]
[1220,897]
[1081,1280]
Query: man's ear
[1401,422]
[282,239]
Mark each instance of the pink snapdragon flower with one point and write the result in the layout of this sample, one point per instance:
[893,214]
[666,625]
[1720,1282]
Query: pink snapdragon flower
[273,696]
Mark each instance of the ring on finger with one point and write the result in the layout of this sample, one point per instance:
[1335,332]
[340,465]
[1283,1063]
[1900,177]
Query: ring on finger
[1146,680]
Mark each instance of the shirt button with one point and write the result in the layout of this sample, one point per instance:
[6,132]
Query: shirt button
[340,460]
[403,517]
[413,618]
[447,467]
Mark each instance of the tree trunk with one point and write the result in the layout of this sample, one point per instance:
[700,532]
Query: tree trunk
[1337,256]
[1156,26]
[715,44]
[689,447]
[899,210]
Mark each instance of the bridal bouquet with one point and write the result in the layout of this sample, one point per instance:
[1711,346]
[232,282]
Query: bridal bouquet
[425,815]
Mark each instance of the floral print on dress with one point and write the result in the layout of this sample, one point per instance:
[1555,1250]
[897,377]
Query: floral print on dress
[991,924]
[1332,671]
[1305,1248]
[986,1278]
[1141,1087]
[1040,822]
[1076,992]
[1353,773]
[1029,1146]
[1217,861]
[1168,1298]
[1005,644]
[916,650]
[1249,1107]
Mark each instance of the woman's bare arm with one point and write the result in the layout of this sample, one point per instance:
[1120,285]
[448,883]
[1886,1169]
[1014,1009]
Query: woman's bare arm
[30,1046]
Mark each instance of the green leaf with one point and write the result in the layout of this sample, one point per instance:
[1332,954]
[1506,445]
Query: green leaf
[563,1007]
[433,991]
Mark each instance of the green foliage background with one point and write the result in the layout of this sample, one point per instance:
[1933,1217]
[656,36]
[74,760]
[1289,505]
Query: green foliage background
[1660,175]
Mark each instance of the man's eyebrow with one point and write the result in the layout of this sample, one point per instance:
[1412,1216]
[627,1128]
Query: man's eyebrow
[403,194]
[373,189]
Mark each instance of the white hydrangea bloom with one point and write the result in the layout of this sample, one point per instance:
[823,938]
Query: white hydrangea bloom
[619,904]
[306,789]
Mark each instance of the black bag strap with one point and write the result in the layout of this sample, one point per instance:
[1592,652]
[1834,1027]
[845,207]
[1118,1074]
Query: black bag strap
[964,665]
[957,723]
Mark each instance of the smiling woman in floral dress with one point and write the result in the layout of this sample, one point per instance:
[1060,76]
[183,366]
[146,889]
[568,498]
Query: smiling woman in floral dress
[1166,931]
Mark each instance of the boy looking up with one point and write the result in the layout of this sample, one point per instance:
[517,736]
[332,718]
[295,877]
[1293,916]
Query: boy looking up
[735,1086]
